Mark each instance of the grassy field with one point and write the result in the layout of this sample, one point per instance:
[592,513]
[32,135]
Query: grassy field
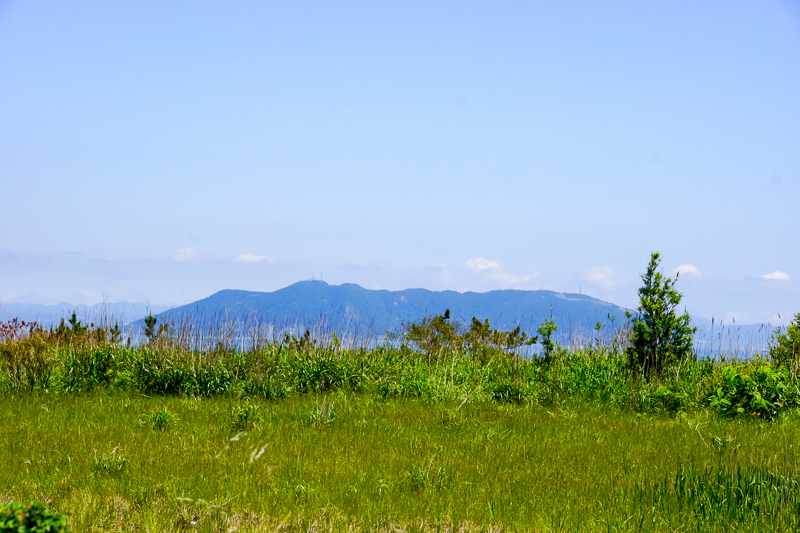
[350,461]
[290,436]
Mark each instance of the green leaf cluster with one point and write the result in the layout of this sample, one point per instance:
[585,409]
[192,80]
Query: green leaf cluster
[32,518]
[755,390]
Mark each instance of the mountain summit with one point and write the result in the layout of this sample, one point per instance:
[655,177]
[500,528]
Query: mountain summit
[349,307]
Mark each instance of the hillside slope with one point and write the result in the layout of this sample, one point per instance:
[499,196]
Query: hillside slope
[352,308]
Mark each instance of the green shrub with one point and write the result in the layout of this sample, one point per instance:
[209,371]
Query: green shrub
[753,389]
[546,330]
[32,518]
[785,351]
[155,336]
[436,336]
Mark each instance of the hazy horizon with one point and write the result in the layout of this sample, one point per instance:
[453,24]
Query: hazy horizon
[138,310]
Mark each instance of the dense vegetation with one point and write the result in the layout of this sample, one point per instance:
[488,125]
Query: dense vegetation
[478,364]
[445,427]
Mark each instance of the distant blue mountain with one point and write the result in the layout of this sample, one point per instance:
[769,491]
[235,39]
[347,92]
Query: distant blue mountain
[352,309]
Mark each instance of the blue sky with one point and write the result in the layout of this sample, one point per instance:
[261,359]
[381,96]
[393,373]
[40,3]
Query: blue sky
[161,151]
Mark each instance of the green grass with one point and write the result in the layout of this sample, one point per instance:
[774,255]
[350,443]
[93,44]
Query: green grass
[352,460]
[319,437]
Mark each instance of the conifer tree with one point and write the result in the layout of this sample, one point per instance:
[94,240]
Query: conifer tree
[660,337]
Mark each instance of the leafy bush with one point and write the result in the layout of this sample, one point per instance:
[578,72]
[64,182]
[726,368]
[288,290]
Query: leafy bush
[786,349]
[303,343]
[32,518]
[660,338]
[432,335]
[755,389]
[546,330]
[481,335]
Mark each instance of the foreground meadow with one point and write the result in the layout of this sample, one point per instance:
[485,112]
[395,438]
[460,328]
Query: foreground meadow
[348,461]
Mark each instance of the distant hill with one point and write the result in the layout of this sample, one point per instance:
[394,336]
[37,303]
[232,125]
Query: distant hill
[50,315]
[352,309]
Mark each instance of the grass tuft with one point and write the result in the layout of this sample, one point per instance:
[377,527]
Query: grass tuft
[160,419]
[112,464]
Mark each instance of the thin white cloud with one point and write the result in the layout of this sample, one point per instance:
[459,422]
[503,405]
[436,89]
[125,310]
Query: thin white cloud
[777,275]
[254,258]
[688,270]
[492,272]
[479,264]
[479,274]
[185,254]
